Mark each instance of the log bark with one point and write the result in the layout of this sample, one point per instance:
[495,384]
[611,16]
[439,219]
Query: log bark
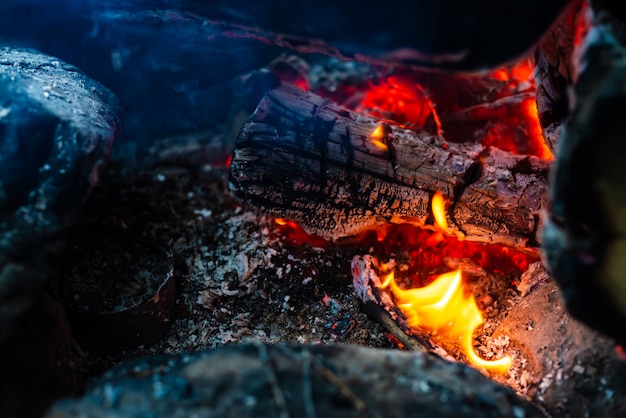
[303,158]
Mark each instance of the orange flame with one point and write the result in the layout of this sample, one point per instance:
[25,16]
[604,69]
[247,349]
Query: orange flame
[443,307]
[377,137]
[439,211]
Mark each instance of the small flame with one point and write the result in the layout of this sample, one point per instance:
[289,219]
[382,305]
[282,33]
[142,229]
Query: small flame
[377,137]
[530,108]
[281,221]
[443,307]
[439,211]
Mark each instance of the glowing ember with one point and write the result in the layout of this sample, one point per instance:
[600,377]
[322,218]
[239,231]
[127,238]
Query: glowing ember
[398,99]
[443,307]
[439,211]
[292,232]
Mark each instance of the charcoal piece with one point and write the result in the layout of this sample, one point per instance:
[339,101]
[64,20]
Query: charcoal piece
[253,380]
[56,130]
[555,70]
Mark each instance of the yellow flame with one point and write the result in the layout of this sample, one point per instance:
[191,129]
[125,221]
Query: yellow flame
[281,221]
[439,211]
[443,307]
[377,137]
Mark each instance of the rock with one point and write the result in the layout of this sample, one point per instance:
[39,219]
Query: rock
[253,380]
[57,128]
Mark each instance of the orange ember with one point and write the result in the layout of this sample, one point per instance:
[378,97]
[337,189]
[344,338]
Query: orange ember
[529,110]
[281,221]
[444,307]
[293,233]
[400,100]
[503,113]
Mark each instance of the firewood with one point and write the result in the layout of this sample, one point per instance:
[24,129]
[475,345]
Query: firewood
[253,380]
[301,157]
[555,69]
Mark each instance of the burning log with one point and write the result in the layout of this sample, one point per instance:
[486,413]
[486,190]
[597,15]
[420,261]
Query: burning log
[555,69]
[338,174]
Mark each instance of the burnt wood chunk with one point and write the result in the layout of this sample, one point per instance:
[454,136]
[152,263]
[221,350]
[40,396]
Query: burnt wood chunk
[555,70]
[253,380]
[301,157]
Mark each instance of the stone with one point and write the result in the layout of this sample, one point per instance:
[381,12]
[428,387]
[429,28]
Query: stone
[57,128]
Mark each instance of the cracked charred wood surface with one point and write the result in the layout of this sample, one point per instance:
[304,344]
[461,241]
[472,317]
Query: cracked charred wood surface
[303,158]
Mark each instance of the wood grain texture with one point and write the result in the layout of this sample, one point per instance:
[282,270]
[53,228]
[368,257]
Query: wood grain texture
[301,157]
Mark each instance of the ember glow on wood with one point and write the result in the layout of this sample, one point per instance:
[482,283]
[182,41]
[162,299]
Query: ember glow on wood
[302,158]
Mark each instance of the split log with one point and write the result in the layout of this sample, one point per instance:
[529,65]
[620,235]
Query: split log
[303,158]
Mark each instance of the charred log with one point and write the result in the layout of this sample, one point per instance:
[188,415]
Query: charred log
[303,158]
[584,239]
[555,70]
[251,380]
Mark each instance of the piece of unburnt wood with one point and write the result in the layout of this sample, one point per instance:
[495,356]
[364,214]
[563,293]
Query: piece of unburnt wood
[301,157]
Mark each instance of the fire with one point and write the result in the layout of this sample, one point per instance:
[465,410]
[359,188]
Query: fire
[281,221]
[377,138]
[444,307]
[529,108]
[439,211]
